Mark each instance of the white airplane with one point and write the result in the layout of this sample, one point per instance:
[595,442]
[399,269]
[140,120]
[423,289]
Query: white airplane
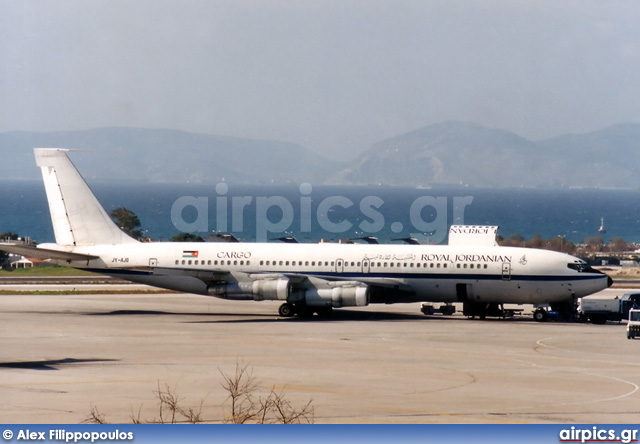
[307,278]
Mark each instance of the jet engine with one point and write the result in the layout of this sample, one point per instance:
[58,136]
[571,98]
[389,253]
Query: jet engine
[336,297]
[258,290]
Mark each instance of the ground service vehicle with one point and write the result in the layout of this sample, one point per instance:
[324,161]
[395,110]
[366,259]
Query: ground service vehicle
[633,326]
[600,310]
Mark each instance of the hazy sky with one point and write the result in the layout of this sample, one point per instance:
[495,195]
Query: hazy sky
[335,76]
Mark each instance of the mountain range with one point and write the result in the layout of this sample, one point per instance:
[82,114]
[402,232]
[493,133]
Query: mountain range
[160,155]
[448,153]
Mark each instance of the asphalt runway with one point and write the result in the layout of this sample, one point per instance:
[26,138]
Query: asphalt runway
[61,355]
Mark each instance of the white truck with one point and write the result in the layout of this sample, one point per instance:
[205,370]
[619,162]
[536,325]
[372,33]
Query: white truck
[600,310]
[633,326]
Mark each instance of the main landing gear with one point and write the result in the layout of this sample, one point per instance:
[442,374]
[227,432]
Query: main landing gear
[288,310]
[540,315]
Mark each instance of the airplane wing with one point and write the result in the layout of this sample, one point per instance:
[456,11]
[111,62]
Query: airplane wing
[43,253]
[331,281]
[398,284]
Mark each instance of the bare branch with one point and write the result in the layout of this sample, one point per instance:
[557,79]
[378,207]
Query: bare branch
[95,417]
[136,419]
[247,406]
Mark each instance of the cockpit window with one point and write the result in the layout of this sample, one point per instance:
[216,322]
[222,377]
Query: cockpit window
[575,266]
[581,267]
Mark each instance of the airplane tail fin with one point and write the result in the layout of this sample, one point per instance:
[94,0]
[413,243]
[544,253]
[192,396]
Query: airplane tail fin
[77,216]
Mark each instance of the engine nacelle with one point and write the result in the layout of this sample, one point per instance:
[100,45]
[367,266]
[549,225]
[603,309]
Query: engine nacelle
[258,290]
[271,289]
[352,296]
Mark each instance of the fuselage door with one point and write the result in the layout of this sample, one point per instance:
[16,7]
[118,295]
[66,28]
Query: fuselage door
[366,265]
[506,271]
[153,262]
[339,266]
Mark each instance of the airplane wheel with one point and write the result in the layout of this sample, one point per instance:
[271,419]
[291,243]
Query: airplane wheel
[540,315]
[286,310]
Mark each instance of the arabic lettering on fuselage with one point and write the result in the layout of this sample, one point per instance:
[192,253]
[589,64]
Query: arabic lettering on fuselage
[451,258]
[391,257]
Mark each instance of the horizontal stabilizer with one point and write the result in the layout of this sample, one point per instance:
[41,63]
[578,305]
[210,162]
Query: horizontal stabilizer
[34,252]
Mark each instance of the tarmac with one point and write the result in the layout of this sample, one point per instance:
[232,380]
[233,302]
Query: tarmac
[62,355]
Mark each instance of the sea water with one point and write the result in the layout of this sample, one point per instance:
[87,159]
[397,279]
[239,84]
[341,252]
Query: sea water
[310,213]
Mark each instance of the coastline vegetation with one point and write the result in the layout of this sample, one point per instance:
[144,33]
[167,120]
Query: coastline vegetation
[592,248]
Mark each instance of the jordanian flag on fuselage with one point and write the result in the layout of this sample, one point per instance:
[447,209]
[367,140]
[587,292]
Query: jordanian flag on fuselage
[190,254]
